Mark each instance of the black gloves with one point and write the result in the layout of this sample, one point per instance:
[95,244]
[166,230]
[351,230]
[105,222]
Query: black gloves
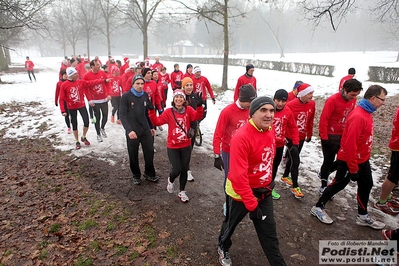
[257,214]
[354,176]
[200,102]
[218,163]
[149,104]
[56,104]
[308,139]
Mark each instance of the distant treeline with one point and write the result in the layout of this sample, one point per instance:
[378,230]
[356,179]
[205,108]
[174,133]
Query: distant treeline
[384,74]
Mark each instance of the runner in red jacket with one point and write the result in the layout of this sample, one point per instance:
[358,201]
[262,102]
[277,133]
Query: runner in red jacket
[178,119]
[150,87]
[304,109]
[57,97]
[292,94]
[247,78]
[98,98]
[284,125]
[176,77]
[72,94]
[250,182]
[202,86]
[29,67]
[332,122]
[164,78]
[115,91]
[351,74]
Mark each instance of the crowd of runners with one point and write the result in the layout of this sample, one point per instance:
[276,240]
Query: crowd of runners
[252,136]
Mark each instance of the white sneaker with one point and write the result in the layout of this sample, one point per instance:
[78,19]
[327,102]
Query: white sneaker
[189,176]
[321,215]
[370,222]
[99,138]
[183,197]
[103,134]
[170,186]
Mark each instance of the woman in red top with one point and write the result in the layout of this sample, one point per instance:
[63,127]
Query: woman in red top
[29,66]
[63,78]
[178,119]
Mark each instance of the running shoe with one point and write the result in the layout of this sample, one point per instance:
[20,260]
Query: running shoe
[387,207]
[224,257]
[78,146]
[297,192]
[69,130]
[112,119]
[85,141]
[151,178]
[189,176]
[369,222]
[394,201]
[170,186]
[119,121]
[321,214]
[275,195]
[387,234]
[99,138]
[136,181]
[103,134]
[183,197]
[287,180]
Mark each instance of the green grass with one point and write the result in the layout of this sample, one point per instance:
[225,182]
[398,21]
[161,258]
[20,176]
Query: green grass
[172,252]
[110,226]
[43,244]
[7,253]
[96,205]
[55,228]
[121,250]
[43,254]
[134,255]
[95,245]
[84,261]
[56,189]
[149,233]
[89,223]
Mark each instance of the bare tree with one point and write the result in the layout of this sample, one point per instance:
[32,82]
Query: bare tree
[16,16]
[218,12]
[87,16]
[109,15]
[141,13]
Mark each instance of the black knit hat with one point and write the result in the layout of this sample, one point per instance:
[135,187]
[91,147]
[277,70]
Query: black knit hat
[249,66]
[136,78]
[145,71]
[281,94]
[259,102]
[351,71]
[189,65]
[247,93]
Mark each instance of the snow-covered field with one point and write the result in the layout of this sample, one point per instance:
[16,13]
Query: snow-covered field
[22,90]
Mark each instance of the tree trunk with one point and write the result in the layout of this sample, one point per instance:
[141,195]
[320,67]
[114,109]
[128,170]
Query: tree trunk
[397,57]
[145,42]
[88,45]
[8,56]
[226,46]
[3,60]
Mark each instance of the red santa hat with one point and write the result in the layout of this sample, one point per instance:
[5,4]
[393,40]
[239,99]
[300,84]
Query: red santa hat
[304,89]
[114,69]
[126,59]
[147,59]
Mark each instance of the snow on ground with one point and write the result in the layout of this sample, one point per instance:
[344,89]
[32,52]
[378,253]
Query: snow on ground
[21,90]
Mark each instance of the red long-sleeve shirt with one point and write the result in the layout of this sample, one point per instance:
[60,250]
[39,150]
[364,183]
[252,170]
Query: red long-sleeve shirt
[231,118]
[284,125]
[150,87]
[29,65]
[341,83]
[98,91]
[201,85]
[175,78]
[114,87]
[291,96]
[394,142]
[304,116]
[57,91]
[357,139]
[177,138]
[73,92]
[333,117]
[251,164]
[243,80]
[127,81]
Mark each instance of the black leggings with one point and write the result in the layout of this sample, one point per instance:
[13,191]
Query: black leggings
[83,114]
[33,74]
[277,160]
[100,109]
[115,102]
[67,119]
[329,152]
[180,160]
[292,165]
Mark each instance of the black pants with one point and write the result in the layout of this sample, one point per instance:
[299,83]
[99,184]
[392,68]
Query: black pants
[329,152]
[341,180]
[33,74]
[67,119]
[100,109]
[266,229]
[74,115]
[292,165]
[147,145]
[115,102]
[180,160]
[277,160]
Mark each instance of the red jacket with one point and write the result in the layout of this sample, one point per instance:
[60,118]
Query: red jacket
[57,91]
[177,139]
[150,87]
[201,85]
[114,87]
[98,91]
[123,68]
[73,92]
[357,139]
[176,77]
[251,164]
[231,118]
[304,117]
[192,75]
[341,83]
[333,117]
[157,66]
[243,80]
[291,96]
[29,65]
[127,81]
[394,142]
[284,125]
